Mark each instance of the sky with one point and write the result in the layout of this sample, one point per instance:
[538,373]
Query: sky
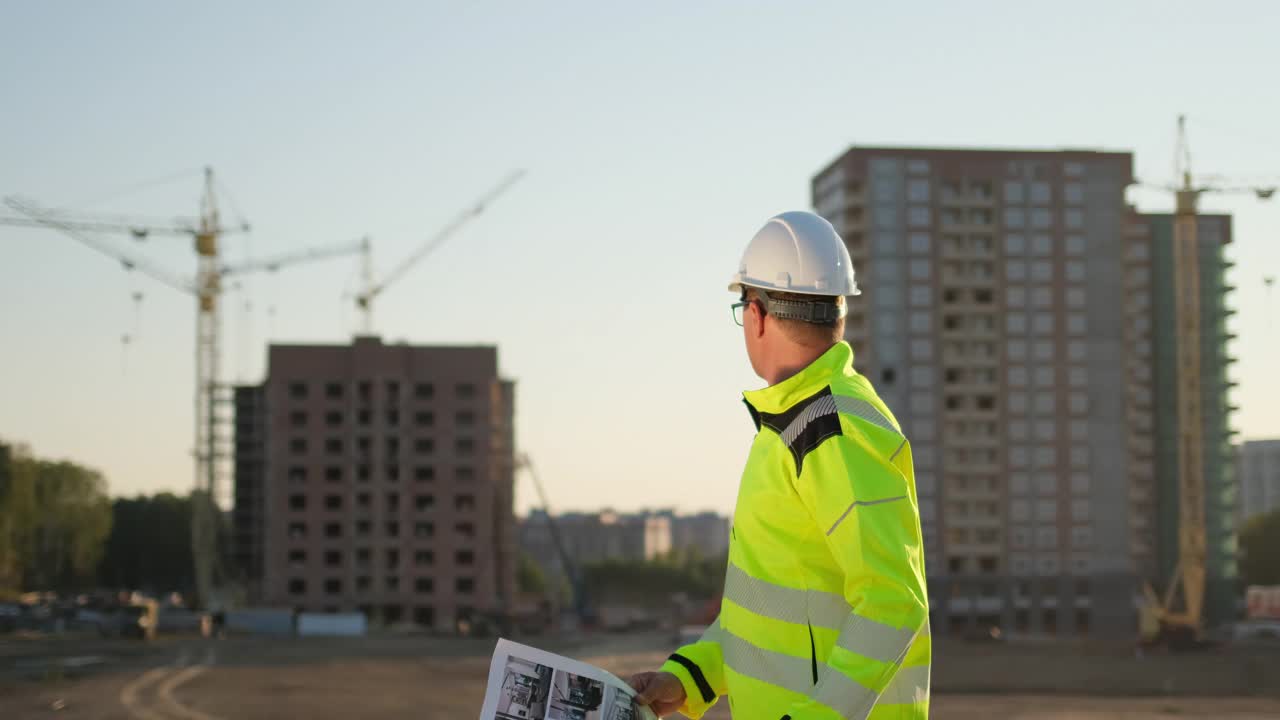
[657,139]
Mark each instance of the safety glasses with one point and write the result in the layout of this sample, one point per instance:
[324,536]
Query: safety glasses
[739,309]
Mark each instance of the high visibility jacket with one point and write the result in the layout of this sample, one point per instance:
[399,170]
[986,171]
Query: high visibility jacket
[825,611]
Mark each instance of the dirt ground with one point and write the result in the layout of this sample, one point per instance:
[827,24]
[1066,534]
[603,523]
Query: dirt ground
[439,679]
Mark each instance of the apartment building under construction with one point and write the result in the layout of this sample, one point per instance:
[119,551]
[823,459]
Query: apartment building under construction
[1016,316]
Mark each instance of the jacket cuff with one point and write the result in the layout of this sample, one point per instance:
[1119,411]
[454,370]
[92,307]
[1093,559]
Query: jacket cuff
[698,695]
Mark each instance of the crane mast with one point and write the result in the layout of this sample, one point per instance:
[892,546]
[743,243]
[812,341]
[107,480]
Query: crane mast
[1181,610]
[213,583]
[570,568]
[1189,575]
[204,519]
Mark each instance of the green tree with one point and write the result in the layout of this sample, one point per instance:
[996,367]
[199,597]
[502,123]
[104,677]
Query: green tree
[72,518]
[653,581]
[54,516]
[149,547]
[17,512]
[529,577]
[1259,559]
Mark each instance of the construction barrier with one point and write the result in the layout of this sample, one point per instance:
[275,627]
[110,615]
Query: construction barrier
[344,624]
[260,621]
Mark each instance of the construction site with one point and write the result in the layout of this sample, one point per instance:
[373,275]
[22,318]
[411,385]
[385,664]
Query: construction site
[377,501]
[321,551]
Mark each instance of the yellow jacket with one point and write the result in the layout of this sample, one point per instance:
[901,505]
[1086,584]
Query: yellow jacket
[825,610]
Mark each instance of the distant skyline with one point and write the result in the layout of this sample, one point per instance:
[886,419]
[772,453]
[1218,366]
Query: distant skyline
[656,143]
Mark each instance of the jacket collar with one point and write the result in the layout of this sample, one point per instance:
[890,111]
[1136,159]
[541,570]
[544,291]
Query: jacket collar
[836,361]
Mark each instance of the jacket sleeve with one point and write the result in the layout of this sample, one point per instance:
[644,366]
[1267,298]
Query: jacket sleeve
[700,667]
[863,499]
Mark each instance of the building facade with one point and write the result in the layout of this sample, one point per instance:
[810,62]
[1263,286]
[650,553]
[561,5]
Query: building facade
[377,478]
[704,533]
[590,538]
[1259,474]
[1007,319]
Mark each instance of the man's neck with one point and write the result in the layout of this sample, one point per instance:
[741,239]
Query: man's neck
[791,362]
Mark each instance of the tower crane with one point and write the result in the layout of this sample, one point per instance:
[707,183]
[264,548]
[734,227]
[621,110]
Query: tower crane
[212,581]
[372,289]
[1180,610]
[576,585]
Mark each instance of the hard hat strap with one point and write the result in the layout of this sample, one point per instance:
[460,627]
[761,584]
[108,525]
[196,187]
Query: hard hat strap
[817,312]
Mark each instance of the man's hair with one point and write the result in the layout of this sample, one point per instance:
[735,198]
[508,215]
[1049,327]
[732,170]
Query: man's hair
[815,335]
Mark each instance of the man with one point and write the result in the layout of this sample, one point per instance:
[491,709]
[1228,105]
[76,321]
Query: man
[825,612]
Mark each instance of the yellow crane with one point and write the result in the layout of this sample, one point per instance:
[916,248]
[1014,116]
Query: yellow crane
[1180,611]
[372,288]
[213,583]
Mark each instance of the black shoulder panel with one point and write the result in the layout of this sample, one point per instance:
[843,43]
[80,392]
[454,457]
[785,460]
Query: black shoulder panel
[812,436]
[805,425]
[779,422]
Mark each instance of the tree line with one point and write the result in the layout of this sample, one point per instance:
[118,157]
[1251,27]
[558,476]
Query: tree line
[54,517]
[60,531]
[652,581]
[1260,550]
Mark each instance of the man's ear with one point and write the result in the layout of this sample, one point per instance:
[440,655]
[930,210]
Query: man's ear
[755,309]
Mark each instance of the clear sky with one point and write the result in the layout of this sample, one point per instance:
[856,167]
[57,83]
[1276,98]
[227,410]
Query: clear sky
[657,141]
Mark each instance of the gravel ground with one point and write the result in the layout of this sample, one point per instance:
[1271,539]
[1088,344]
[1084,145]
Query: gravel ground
[432,678]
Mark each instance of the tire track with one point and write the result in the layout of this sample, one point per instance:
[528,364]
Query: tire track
[150,696]
[130,695]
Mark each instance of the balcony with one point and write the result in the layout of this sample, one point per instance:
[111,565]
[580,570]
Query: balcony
[968,516]
[1140,446]
[973,547]
[966,279]
[971,361]
[970,388]
[967,252]
[951,195]
[979,467]
[966,332]
[957,441]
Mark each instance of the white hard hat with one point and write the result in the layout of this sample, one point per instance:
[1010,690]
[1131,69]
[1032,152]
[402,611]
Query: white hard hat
[797,252]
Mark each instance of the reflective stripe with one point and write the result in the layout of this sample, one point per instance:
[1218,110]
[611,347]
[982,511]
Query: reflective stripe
[711,634]
[767,666]
[844,695]
[815,607]
[860,408]
[876,640]
[763,597]
[832,404]
[860,503]
[834,689]
[909,686]
[816,409]
[828,610]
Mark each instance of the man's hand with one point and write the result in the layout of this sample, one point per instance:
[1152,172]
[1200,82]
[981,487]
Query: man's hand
[661,691]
